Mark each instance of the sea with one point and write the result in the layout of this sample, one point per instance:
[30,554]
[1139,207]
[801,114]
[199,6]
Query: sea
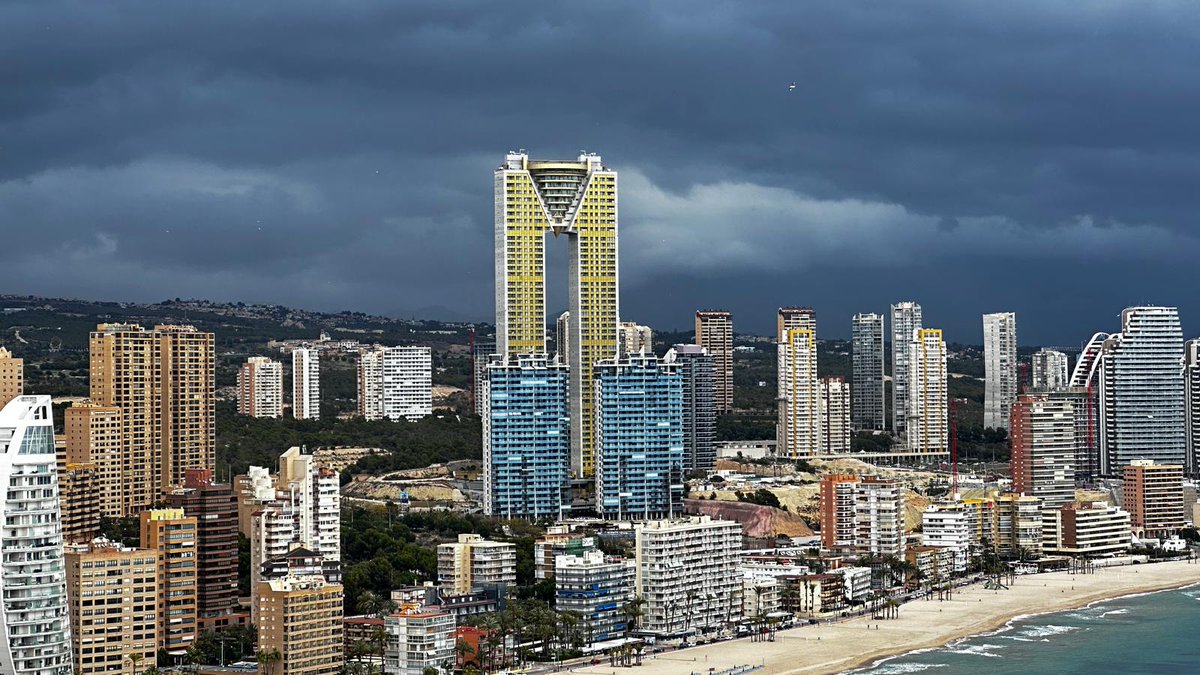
[1149,633]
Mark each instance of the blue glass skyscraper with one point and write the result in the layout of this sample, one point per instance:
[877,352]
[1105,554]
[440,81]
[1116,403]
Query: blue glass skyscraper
[639,438]
[526,438]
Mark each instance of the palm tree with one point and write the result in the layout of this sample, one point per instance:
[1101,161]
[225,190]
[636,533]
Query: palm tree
[267,658]
[136,659]
[463,652]
[633,612]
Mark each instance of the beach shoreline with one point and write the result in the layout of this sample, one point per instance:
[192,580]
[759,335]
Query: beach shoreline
[862,642]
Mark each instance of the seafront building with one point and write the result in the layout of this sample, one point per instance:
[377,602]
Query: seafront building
[113,595]
[906,320]
[695,368]
[799,426]
[1086,530]
[1000,368]
[1043,443]
[947,525]
[162,380]
[1153,497]
[578,199]
[866,406]
[1019,526]
[879,516]
[596,587]
[300,618]
[12,376]
[306,384]
[260,387]
[687,572]
[417,641]
[1050,370]
[526,439]
[475,562]
[639,438]
[714,333]
[1191,389]
[33,577]
[927,430]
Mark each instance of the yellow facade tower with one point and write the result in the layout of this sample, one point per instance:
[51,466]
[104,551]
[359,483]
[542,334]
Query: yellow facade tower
[577,199]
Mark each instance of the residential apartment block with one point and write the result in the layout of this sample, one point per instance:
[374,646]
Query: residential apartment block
[475,562]
[260,387]
[867,390]
[714,333]
[688,575]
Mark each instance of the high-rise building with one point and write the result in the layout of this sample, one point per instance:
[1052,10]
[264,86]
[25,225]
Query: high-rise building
[1191,388]
[260,387]
[866,392]
[834,416]
[714,332]
[1043,445]
[163,382]
[526,439]
[1019,525]
[1050,370]
[999,367]
[1153,496]
[418,641]
[36,639]
[562,337]
[481,352]
[687,572]
[634,338]
[94,436]
[695,367]
[113,594]
[799,426]
[596,587]
[300,618]
[559,540]
[879,516]
[12,376]
[475,562]
[1142,390]
[639,438]
[946,525]
[214,507]
[79,500]
[395,383]
[928,403]
[906,320]
[306,384]
[579,199]
[172,536]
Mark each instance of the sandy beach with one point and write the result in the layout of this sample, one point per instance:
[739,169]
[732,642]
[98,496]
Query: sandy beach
[921,624]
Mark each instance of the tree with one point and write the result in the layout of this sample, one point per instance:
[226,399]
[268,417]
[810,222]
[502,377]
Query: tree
[136,658]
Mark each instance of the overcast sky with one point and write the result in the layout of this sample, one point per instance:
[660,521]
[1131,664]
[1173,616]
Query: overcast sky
[1040,157]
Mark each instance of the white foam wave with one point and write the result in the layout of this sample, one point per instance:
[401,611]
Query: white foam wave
[902,668]
[1047,631]
[977,650]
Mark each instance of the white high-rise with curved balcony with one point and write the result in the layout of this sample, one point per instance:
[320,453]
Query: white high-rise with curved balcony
[36,636]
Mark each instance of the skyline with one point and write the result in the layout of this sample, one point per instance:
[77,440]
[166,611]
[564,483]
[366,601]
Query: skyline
[1029,158]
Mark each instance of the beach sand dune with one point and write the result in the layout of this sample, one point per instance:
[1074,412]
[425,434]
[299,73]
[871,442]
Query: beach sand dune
[921,624]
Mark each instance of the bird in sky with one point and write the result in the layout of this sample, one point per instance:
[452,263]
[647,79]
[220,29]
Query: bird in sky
[792,87]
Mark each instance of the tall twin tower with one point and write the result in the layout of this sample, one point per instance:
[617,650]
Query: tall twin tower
[578,200]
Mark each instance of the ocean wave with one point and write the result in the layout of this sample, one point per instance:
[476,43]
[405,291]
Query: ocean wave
[1047,631]
[977,650]
[901,668]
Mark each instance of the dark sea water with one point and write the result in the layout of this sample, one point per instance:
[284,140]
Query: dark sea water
[1153,633]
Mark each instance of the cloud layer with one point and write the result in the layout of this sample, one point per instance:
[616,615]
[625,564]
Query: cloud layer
[1034,156]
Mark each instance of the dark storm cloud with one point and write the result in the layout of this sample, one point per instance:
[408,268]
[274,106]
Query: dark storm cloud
[1035,156]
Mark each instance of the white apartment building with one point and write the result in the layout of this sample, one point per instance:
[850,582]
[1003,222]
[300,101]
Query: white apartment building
[395,383]
[1050,370]
[36,639]
[635,338]
[417,641]
[856,582]
[928,428]
[688,574]
[1191,392]
[473,562]
[866,407]
[834,416]
[1087,530]
[906,320]
[260,387]
[879,516]
[946,525]
[999,367]
[761,594]
[306,384]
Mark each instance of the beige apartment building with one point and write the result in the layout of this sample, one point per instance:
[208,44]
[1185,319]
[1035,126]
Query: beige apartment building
[162,380]
[173,536]
[94,435]
[300,618]
[1153,496]
[260,387]
[12,376]
[78,501]
[112,596]
[714,332]
[474,561]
